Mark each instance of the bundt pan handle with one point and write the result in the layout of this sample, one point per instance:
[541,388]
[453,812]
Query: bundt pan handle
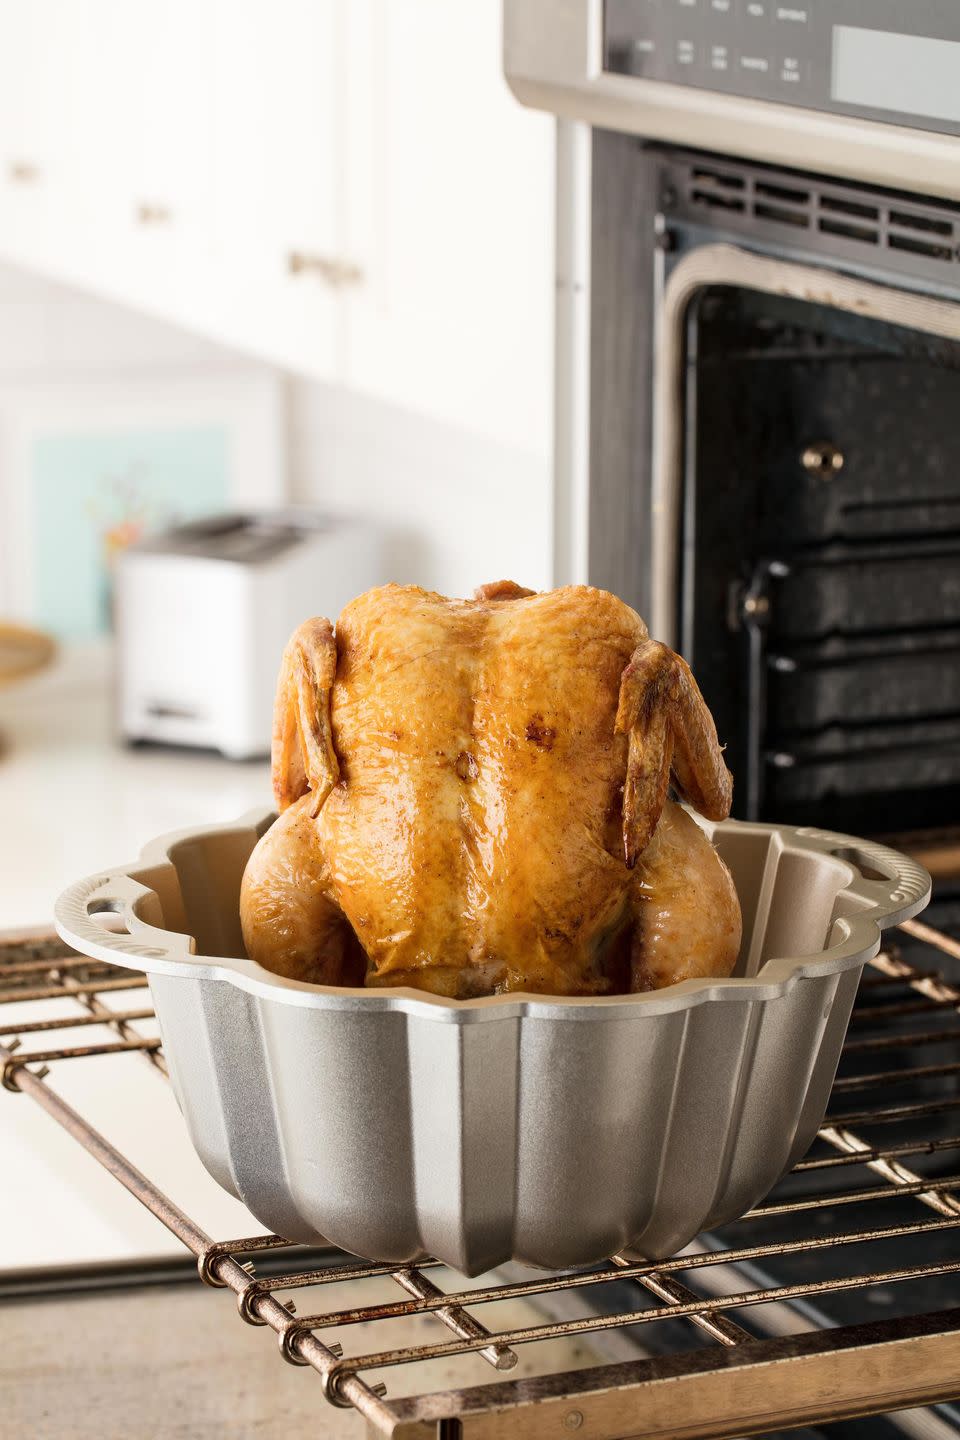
[133,939]
[892,886]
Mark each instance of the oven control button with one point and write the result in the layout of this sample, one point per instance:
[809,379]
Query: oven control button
[790,70]
[756,9]
[721,7]
[719,57]
[758,63]
[686,52]
[793,14]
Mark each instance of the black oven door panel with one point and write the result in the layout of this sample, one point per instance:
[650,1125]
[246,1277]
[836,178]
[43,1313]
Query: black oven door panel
[822,553]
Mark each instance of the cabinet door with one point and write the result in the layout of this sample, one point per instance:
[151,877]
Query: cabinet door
[106,118]
[141,149]
[173,67]
[98,141]
[29,67]
[277,135]
[449,205]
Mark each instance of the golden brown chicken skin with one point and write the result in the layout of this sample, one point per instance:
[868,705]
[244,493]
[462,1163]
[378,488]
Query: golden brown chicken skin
[473,800]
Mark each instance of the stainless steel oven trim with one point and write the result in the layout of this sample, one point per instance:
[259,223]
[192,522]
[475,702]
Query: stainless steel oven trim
[722,264]
[571,409]
[552,51]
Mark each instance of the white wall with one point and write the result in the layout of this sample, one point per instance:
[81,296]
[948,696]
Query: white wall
[49,332]
[462,509]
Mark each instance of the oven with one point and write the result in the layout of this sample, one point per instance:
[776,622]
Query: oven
[758,370]
[757,385]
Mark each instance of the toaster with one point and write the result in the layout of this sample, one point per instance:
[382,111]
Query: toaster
[203,611]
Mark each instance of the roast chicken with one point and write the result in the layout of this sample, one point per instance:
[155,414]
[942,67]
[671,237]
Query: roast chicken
[473,800]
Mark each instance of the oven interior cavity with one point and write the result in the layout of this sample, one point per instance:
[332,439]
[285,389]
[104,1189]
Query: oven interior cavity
[820,573]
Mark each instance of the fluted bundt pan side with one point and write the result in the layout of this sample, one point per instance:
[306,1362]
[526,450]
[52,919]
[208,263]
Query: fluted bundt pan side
[551,1131]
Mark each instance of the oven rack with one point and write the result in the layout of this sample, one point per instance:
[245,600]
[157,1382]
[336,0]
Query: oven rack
[730,1380]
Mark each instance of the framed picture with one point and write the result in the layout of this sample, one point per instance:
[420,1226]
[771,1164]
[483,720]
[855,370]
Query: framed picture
[86,469]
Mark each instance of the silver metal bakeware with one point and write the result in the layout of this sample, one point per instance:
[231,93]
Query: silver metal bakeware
[552,1131]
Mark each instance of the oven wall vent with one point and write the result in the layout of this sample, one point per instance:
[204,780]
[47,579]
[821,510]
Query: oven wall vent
[738,196]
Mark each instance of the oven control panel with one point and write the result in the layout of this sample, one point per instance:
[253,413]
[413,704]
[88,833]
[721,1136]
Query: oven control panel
[888,60]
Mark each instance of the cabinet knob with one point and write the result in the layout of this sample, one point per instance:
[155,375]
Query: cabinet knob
[22,172]
[332,270]
[153,214]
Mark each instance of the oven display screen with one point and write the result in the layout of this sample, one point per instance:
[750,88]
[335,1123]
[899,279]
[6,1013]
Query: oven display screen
[908,74]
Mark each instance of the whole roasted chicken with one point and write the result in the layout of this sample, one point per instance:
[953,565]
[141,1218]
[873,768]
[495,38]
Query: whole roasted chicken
[473,800]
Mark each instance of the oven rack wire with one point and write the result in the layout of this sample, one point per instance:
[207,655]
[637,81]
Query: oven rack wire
[730,1381]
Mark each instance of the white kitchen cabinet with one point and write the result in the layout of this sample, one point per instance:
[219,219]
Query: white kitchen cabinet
[449,209]
[277,146]
[343,187]
[135,159]
[95,57]
[170,214]
[29,123]
[104,144]
[28,99]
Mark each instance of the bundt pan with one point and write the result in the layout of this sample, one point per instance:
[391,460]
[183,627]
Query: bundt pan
[550,1131]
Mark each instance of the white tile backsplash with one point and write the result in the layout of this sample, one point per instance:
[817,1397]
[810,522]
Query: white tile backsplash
[461,509]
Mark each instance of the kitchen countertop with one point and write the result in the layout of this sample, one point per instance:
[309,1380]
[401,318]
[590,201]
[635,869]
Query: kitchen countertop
[175,1361]
[74,800]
